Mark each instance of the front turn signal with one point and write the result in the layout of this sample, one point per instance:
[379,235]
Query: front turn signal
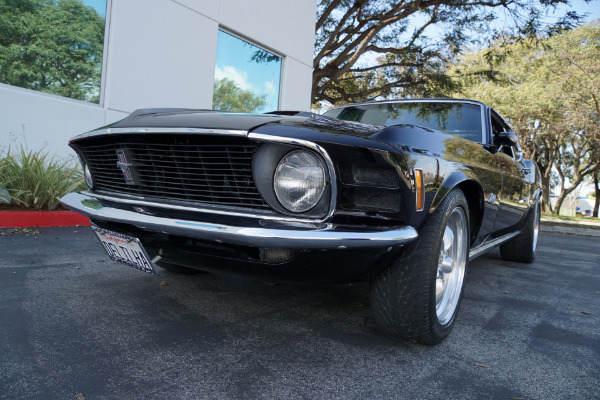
[420,194]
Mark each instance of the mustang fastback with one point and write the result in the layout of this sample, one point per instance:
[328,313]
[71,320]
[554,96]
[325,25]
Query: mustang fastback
[402,194]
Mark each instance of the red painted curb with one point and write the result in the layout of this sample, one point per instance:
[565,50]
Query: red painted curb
[28,219]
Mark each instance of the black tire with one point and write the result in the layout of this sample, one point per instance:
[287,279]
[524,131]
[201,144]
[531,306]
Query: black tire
[523,247]
[403,296]
[180,269]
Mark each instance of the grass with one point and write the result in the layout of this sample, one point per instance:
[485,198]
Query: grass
[588,219]
[36,180]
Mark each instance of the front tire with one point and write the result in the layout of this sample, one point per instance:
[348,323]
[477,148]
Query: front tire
[417,297]
[523,247]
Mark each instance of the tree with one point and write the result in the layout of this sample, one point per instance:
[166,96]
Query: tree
[596,179]
[549,89]
[578,159]
[574,63]
[227,96]
[510,80]
[52,46]
[397,31]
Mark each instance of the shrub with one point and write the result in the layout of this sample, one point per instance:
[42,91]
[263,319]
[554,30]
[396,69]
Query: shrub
[36,180]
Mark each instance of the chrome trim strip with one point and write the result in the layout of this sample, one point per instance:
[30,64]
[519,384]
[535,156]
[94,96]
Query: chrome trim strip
[327,237]
[482,248]
[314,147]
[106,131]
[141,202]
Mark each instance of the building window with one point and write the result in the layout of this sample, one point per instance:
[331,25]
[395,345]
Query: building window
[246,76]
[53,46]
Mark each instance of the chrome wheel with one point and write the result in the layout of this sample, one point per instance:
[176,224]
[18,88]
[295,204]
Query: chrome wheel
[451,266]
[536,226]
[418,296]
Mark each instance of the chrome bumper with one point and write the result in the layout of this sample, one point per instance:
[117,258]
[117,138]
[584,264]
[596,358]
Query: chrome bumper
[321,236]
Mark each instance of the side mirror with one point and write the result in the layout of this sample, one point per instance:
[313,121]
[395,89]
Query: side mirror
[509,139]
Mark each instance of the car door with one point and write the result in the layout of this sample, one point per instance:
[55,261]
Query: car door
[514,196]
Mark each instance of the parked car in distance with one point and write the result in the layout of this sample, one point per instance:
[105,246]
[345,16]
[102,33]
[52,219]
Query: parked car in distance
[398,193]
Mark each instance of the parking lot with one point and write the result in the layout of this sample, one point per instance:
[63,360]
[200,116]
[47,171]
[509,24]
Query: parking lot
[72,321]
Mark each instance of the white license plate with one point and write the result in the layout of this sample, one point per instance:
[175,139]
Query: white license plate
[125,249]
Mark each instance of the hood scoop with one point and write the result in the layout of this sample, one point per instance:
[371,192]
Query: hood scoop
[350,127]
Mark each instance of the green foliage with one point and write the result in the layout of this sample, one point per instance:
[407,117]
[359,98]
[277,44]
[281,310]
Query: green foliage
[411,41]
[549,89]
[227,96]
[53,46]
[36,180]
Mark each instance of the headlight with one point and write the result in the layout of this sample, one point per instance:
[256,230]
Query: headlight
[299,181]
[88,176]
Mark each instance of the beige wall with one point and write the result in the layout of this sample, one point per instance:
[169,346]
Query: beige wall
[161,53]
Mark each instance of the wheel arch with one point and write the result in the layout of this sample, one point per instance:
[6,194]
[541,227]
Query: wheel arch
[473,191]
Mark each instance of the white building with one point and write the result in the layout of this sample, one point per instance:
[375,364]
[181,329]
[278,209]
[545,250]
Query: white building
[163,53]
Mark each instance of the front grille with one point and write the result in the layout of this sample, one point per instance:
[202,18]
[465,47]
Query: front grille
[207,169]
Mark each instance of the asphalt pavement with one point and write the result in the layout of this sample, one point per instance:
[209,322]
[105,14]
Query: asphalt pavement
[72,323]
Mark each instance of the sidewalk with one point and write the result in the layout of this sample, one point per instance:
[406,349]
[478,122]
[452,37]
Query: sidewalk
[580,228]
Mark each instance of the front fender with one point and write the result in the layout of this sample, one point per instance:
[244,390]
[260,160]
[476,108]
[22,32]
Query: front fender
[465,180]
[469,184]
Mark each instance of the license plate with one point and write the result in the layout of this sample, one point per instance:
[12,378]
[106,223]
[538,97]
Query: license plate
[125,249]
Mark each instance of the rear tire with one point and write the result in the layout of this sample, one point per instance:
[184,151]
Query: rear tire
[523,247]
[417,297]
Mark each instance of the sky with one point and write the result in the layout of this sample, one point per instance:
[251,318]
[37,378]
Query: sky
[99,5]
[592,8]
[234,62]
[435,32]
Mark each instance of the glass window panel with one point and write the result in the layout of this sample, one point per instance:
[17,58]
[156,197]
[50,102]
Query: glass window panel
[53,46]
[246,76]
[462,120]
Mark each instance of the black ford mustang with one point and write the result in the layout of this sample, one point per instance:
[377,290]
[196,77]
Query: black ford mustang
[400,193]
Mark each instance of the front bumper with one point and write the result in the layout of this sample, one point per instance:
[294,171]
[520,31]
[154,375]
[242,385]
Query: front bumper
[252,233]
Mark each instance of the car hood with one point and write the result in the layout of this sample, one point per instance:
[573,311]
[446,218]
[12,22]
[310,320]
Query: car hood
[188,118]
[305,126]
[301,125]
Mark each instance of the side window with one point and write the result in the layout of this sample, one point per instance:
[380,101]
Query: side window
[498,125]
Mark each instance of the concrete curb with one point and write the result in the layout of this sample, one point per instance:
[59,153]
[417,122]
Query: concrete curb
[30,219]
[570,228]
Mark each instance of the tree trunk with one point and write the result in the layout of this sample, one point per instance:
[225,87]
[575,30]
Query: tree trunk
[559,201]
[597,190]
[546,205]
[563,195]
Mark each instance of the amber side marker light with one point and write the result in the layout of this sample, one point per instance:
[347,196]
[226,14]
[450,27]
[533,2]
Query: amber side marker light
[420,196]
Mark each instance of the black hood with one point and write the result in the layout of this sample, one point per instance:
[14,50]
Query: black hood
[189,118]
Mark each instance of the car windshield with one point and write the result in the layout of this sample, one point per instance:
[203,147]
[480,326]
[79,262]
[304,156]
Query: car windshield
[459,119]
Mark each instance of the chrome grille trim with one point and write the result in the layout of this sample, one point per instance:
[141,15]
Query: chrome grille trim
[216,171]
[105,131]
[266,214]
[144,202]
